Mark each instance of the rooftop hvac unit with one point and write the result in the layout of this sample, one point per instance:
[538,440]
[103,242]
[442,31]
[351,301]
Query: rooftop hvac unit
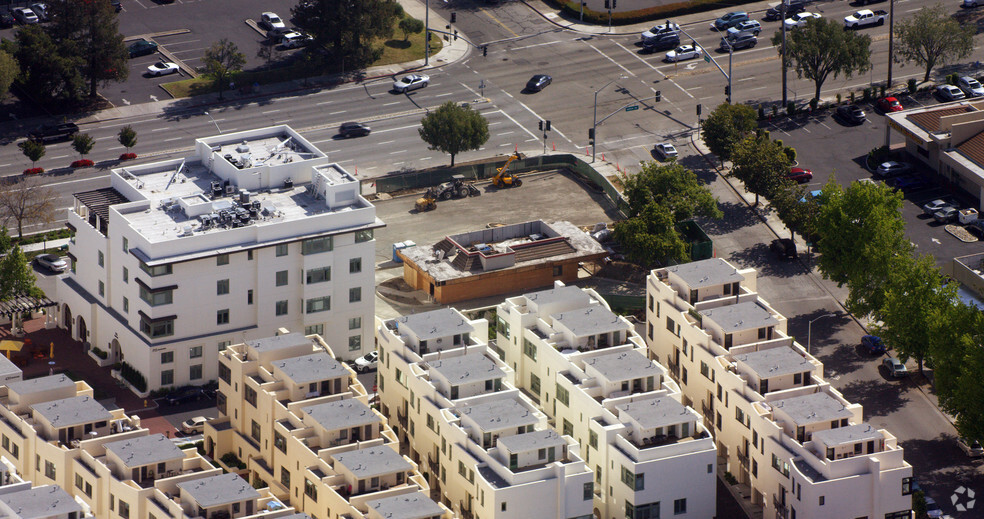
[243,148]
[230,190]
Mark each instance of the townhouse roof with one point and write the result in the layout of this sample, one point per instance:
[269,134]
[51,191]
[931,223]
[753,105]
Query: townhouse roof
[973,149]
[558,294]
[276,342]
[591,321]
[502,413]
[406,506]
[492,477]
[740,317]
[656,412]
[219,490]
[706,273]
[37,385]
[145,450]
[7,367]
[624,365]
[41,502]
[850,434]
[372,462]
[341,414]
[532,440]
[436,323]
[311,368]
[467,368]
[775,362]
[812,408]
[929,120]
[71,411]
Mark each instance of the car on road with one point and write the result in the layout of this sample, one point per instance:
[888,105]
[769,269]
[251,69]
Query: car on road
[800,19]
[52,262]
[193,425]
[971,3]
[42,12]
[946,215]
[889,104]
[971,447]
[663,41]
[353,129]
[775,13]
[142,48]
[800,175]
[295,40]
[729,20]
[895,367]
[748,26]
[910,183]
[784,248]
[684,52]
[851,114]
[538,82]
[933,510]
[25,16]
[741,41]
[873,344]
[411,82]
[949,93]
[665,150]
[659,30]
[54,132]
[269,20]
[934,206]
[367,362]
[162,68]
[892,168]
[183,396]
[970,86]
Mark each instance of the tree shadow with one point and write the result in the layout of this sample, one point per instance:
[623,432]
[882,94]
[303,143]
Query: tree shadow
[943,467]
[765,261]
[736,216]
[877,397]
[398,44]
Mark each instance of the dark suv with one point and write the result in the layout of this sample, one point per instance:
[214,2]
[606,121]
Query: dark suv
[784,248]
[662,41]
[741,41]
[55,132]
[353,129]
[183,396]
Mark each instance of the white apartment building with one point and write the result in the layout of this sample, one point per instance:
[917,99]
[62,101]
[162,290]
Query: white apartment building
[299,421]
[798,446]
[178,259]
[588,369]
[20,501]
[489,453]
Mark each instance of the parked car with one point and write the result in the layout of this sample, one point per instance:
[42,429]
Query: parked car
[851,114]
[269,20]
[976,227]
[934,206]
[538,82]
[971,3]
[183,396]
[889,104]
[367,362]
[946,215]
[784,248]
[54,132]
[892,169]
[42,12]
[971,447]
[910,183]
[933,510]
[117,5]
[659,30]
[193,425]
[162,68]
[7,20]
[353,129]
[949,93]
[800,19]
[663,41]
[295,40]
[873,344]
[665,150]
[970,86]
[52,262]
[741,41]
[895,367]
[25,16]
[684,52]
[775,13]
[411,82]
[142,48]
[729,20]
[800,175]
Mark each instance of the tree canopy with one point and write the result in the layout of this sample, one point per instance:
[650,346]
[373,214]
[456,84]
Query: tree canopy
[932,37]
[726,126]
[761,164]
[822,48]
[16,278]
[650,238]
[348,29]
[127,136]
[453,128]
[9,69]
[27,201]
[50,75]
[222,61]
[91,31]
[410,25]
[958,364]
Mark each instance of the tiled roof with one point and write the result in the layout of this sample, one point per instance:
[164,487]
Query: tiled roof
[930,119]
[973,149]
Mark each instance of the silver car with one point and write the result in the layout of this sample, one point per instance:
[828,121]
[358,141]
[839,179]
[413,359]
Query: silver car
[52,262]
[411,82]
[970,86]
[895,367]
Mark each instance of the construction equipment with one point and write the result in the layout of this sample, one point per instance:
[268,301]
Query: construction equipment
[503,179]
[425,203]
[456,188]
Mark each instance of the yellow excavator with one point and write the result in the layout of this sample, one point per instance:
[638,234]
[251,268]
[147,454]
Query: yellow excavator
[503,179]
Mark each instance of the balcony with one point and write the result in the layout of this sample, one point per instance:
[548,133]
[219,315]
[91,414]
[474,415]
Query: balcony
[782,511]
[743,459]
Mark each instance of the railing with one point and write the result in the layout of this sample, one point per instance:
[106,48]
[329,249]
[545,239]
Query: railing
[782,512]
[743,459]
[708,411]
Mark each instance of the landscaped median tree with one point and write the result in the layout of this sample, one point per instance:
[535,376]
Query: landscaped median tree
[726,126]
[453,128]
[761,164]
[33,150]
[822,49]
[222,61]
[83,143]
[932,37]
[128,138]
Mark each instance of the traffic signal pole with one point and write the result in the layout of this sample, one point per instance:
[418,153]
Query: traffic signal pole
[710,59]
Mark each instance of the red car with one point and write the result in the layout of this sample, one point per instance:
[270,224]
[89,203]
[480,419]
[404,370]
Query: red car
[889,104]
[800,175]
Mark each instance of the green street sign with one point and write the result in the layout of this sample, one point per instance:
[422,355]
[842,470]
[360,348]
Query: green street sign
[707,58]
[630,108]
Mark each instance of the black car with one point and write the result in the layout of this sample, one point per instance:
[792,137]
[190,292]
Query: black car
[662,41]
[852,114]
[7,20]
[117,5]
[54,132]
[784,248]
[538,82]
[183,396]
[775,13]
[353,129]
[142,48]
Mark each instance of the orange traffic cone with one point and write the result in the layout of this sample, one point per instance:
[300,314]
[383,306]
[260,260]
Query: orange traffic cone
[554,145]
[603,157]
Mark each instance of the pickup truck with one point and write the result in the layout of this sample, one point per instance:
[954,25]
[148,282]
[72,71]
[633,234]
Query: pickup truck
[864,18]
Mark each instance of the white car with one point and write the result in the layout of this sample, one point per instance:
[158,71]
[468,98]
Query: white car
[411,82]
[949,92]
[51,262]
[933,510]
[665,150]
[294,40]
[25,16]
[162,68]
[684,52]
[659,30]
[800,19]
[270,20]
[193,425]
[970,86]
[367,362]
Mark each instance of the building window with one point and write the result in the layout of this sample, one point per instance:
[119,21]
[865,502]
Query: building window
[255,431]
[102,259]
[355,323]
[160,270]
[562,395]
[222,259]
[821,500]
[249,296]
[195,372]
[281,250]
[249,394]
[167,357]
[126,305]
[222,287]
[628,477]
[158,328]
[225,373]
[281,307]
[195,352]
[126,275]
[318,275]
[102,289]
[906,482]
[355,265]
[310,490]
[568,428]
[79,482]
[285,477]
[355,343]
[281,278]
[167,377]
[587,493]
[223,345]
[355,295]
[279,442]
[593,439]
[558,270]
[124,509]
[156,297]
[529,349]
[317,304]
[534,384]
[222,316]
[316,245]
[680,506]
[705,370]
[363,235]
[650,331]
[126,245]
[314,329]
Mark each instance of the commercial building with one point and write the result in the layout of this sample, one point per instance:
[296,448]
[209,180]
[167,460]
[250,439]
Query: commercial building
[796,445]
[178,259]
[589,372]
[295,418]
[488,451]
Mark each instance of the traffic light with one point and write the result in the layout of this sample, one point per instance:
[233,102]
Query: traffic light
[698,110]
[613,3]
[485,50]
[659,96]
[454,17]
[727,92]
[456,35]
[541,126]
[546,126]
[591,136]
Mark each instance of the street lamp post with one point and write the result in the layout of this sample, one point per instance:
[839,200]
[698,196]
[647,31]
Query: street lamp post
[594,125]
[213,122]
[891,40]
[809,330]
[427,42]
[782,22]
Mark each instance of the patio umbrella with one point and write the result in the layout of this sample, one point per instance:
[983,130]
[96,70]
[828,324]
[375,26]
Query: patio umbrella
[7,346]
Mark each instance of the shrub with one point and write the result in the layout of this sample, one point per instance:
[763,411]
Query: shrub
[231,460]
[866,94]
[761,112]
[134,377]
[775,110]
[33,171]
[84,163]
[128,156]
[881,91]
[951,79]
[791,109]
[912,85]
[790,152]
[730,478]
[838,99]
[878,155]
[813,103]
[99,352]
[852,98]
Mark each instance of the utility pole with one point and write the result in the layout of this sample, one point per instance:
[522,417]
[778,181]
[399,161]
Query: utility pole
[594,125]
[782,10]
[427,41]
[891,40]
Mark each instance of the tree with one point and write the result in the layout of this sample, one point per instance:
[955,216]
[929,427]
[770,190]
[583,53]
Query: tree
[33,150]
[650,238]
[453,128]
[726,126]
[9,70]
[16,278]
[127,137]
[673,187]
[761,164]
[958,365]
[823,48]
[410,25]
[932,37]
[797,210]
[222,61]
[27,201]
[90,30]
[83,143]
[51,75]
[268,51]
[348,30]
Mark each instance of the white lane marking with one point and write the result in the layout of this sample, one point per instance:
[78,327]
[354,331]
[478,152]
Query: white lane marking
[160,129]
[336,113]
[444,94]
[505,133]
[395,129]
[398,152]
[391,104]
[387,142]
[270,112]
[553,128]
[474,93]
[59,157]
[322,103]
[619,65]
[517,124]
[650,65]
[535,45]
[174,139]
